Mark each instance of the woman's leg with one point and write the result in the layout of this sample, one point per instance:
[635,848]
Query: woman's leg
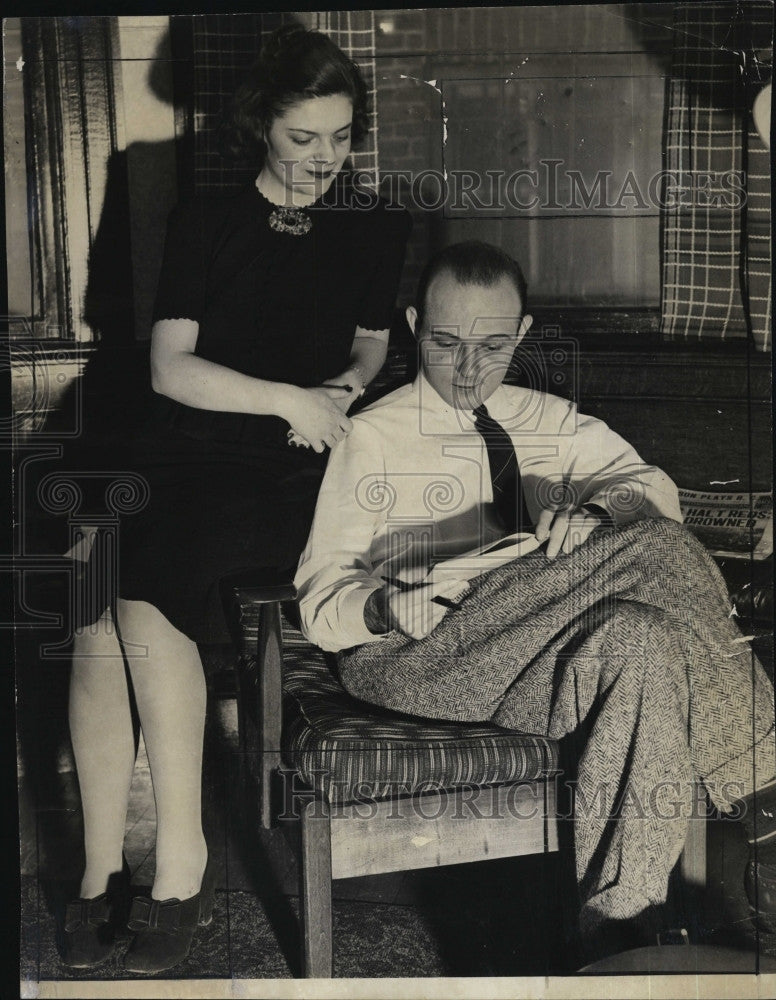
[104,748]
[170,693]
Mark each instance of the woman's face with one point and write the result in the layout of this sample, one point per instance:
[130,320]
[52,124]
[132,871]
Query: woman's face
[308,143]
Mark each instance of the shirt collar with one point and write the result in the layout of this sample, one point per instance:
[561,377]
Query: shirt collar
[434,407]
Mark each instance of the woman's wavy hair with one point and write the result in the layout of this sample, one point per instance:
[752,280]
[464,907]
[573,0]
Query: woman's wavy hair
[294,65]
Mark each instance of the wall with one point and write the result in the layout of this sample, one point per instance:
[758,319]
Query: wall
[16,227]
[511,79]
[149,125]
[418,53]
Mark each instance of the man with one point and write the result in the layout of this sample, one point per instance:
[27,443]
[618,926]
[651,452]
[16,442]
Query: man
[615,630]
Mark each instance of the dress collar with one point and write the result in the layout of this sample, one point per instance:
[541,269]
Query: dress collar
[341,193]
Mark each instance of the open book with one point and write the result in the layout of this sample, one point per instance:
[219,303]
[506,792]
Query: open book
[484,558]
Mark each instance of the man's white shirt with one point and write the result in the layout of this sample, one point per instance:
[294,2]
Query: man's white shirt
[411,482]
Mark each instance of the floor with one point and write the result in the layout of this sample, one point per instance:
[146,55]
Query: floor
[500,918]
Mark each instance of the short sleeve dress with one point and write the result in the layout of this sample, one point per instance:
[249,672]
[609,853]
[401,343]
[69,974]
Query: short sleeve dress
[226,491]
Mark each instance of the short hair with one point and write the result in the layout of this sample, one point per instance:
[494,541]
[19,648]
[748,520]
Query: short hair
[294,65]
[471,263]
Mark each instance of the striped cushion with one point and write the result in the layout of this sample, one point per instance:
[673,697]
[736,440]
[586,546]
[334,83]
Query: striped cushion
[350,750]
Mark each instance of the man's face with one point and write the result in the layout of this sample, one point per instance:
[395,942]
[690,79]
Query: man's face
[468,336]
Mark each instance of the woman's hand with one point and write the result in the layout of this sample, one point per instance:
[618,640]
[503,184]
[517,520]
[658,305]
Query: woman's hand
[349,379]
[316,416]
[352,378]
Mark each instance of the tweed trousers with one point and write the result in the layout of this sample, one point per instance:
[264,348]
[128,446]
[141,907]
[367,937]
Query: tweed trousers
[628,646]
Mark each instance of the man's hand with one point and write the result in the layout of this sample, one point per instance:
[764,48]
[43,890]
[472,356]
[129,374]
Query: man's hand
[565,529]
[411,610]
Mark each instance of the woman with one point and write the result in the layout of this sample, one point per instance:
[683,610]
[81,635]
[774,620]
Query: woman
[272,315]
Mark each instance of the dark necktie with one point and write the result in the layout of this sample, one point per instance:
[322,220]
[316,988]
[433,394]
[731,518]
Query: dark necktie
[504,473]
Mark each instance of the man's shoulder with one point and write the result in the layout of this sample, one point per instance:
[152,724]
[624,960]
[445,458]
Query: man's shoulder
[539,408]
[379,427]
[388,409]
[521,391]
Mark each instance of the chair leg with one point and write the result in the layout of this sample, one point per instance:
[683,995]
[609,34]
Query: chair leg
[316,891]
[692,863]
[270,680]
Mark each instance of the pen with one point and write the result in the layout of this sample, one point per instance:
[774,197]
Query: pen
[446,603]
[403,585]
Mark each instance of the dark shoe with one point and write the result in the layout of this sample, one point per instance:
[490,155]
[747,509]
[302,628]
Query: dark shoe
[612,937]
[760,886]
[164,928]
[89,932]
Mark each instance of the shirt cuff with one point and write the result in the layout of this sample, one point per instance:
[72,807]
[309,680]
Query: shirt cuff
[349,628]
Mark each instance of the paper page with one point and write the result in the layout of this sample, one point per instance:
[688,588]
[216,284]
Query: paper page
[478,561]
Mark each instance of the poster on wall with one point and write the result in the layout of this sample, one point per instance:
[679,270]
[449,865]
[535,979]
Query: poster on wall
[391,465]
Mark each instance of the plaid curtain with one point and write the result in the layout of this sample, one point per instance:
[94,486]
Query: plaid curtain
[716,211]
[758,236]
[354,32]
[223,46]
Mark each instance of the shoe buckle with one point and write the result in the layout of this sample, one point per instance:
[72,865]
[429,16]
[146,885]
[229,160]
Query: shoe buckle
[86,912]
[163,915]
[154,913]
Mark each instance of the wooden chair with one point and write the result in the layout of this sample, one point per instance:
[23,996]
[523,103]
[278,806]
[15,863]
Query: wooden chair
[375,791]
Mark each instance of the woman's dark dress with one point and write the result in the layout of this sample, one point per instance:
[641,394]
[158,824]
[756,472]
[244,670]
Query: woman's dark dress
[227,492]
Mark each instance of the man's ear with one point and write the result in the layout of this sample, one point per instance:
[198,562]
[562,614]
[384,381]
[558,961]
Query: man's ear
[412,319]
[525,326]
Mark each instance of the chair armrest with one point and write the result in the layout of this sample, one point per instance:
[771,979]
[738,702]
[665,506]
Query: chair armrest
[264,594]
[244,596]
[259,586]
